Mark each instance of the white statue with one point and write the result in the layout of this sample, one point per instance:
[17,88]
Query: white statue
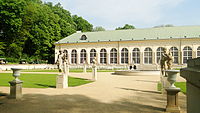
[59,61]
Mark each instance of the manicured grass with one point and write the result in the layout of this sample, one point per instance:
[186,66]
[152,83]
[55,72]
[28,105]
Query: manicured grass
[181,85]
[159,87]
[71,70]
[39,80]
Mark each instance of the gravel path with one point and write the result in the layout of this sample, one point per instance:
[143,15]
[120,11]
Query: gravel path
[109,94]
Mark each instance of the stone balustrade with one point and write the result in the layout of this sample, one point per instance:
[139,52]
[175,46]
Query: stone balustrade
[28,66]
[192,75]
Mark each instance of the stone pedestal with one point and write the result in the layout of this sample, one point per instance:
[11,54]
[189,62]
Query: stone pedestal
[172,100]
[94,73]
[67,70]
[84,68]
[15,89]
[62,81]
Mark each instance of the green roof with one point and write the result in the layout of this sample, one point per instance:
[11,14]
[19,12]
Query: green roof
[135,34]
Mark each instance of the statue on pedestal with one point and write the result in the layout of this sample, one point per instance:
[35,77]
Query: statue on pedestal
[62,78]
[166,61]
[59,61]
[64,62]
[94,61]
[94,69]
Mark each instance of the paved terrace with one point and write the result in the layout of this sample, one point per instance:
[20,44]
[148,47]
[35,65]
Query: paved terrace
[110,94]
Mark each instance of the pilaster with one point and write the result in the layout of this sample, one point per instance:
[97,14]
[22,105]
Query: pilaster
[108,58]
[141,58]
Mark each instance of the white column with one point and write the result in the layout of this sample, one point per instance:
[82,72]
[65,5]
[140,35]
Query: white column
[130,58]
[119,58]
[108,58]
[98,57]
[69,57]
[180,58]
[88,58]
[141,58]
[193,54]
[153,57]
[78,57]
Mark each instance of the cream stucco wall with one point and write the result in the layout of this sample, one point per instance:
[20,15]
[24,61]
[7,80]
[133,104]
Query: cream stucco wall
[194,43]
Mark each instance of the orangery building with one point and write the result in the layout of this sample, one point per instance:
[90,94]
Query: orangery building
[143,47]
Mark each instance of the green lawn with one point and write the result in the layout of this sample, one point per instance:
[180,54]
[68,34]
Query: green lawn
[71,70]
[39,80]
[181,85]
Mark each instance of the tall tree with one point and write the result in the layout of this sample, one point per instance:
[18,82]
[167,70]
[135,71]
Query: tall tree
[126,26]
[29,28]
[82,24]
[2,49]
[98,28]
[11,21]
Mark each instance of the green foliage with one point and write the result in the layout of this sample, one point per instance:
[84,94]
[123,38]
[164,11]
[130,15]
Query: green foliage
[31,27]
[2,48]
[126,26]
[40,80]
[11,60]
[11,21]
[81,24]
[98,28]
[14,50]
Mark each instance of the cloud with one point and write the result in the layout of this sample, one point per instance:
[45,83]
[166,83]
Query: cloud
[112,13]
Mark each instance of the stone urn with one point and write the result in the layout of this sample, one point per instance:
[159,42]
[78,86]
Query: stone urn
[16,73]
[171,77]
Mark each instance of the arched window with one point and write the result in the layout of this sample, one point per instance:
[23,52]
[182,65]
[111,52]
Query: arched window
[187,53]
[103,58]
[136,55]
[148,55]
[93,54]
[113,56]
[198,52]
[83,56]
[174,52]
[124,56]
[159,53]
[74,56]
[65,51]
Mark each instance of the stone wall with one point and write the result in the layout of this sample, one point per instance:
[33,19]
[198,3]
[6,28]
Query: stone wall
[192,75]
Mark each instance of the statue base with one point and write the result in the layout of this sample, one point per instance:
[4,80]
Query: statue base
[172,100]
[15,89]
[94,73]
[62,81]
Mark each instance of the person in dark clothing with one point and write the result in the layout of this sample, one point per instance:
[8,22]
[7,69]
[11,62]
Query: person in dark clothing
[134,67]
[130,67]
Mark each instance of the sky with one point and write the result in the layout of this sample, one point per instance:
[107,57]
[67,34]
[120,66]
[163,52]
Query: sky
[111,14]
